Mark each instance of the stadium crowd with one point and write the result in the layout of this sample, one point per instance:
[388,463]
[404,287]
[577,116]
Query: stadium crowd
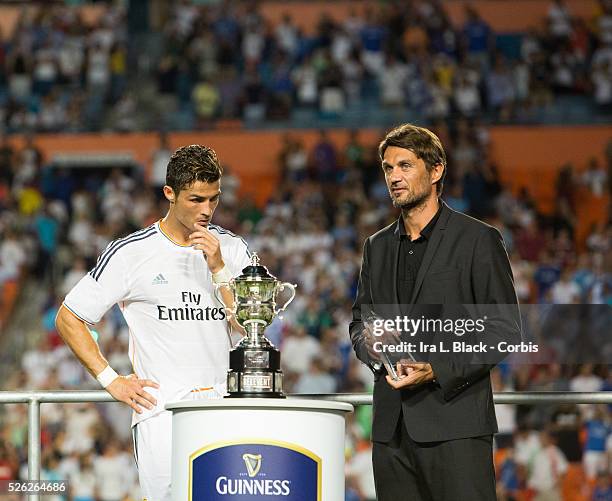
[226,61]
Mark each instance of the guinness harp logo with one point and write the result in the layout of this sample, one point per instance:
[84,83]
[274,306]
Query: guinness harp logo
[253,463]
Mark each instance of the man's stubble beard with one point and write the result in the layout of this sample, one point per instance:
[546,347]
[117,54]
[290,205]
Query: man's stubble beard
[412,201]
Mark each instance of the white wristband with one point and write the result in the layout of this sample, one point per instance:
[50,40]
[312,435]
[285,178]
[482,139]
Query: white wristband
[222,276]
[107,376]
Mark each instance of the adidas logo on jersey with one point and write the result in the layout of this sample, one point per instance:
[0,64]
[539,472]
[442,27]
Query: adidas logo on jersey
[159,280]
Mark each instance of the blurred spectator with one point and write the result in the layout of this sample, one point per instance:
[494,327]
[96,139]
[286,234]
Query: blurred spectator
[508,477]
[324,158]
[566,423]
[50,472]
[74,274]
[299,349]
[293,160]
[530,242]
[501,90]
[80,421]
[305,80]
[526,445]
[83,480]
[114,472]
[467,95]
[9,462]
[565,291]
[505,413]
[373,36]
[598,429]
[206,101]
[600,287]
[586,380]
[478,37]
[392,82]
[316,379]
[159,162]
[7,159]
[287,35]
[359,472]
[548,467]
[12,256]
[546,274]
[595,178]
[559,21]
[603,488]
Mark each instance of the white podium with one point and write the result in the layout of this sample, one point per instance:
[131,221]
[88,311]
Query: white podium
[258,448]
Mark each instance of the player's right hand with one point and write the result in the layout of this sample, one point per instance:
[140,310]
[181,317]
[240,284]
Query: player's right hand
[131,391]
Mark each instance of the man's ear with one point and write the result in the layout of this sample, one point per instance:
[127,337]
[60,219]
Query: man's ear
[437,173]
[169,194]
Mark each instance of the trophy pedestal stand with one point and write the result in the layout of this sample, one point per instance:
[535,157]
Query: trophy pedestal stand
[255,369]
[255,372]
[249,448]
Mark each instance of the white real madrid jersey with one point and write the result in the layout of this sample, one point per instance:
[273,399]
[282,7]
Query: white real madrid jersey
[178,332]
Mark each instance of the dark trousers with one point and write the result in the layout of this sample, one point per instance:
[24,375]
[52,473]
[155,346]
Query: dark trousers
[453,470]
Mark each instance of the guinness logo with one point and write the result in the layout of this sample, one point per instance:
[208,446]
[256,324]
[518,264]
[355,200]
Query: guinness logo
[253,463]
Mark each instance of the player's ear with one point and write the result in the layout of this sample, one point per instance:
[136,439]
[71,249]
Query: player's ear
[436,173]
[169,194]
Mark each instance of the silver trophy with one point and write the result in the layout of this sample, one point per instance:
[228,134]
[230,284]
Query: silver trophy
[255,362]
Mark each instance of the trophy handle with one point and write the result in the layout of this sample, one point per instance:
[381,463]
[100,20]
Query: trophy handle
[217,294]
[281,287]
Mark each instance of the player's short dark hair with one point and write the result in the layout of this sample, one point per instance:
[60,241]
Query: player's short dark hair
[422,142]
[192,163]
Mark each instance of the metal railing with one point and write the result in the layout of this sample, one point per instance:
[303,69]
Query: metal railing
[35,398]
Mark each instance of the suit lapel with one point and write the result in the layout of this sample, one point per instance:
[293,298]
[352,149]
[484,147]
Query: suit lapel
[430,252]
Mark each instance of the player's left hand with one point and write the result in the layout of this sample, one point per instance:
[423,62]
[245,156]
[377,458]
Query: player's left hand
[411,374]
[202,239]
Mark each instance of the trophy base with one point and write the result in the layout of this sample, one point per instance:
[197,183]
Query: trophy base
[244,394]
[255,383]
[254,372]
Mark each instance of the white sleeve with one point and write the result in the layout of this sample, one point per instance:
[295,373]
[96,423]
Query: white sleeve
[240,258]
[100,289]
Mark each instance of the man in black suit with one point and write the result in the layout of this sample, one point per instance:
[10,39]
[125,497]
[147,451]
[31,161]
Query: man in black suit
[433,427]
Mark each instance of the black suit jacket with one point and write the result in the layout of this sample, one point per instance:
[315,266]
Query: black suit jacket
[465,263]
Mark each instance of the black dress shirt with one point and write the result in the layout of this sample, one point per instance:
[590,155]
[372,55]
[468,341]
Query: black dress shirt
[410,256]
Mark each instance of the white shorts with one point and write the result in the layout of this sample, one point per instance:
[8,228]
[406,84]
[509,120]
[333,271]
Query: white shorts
[153,448]
[153,454]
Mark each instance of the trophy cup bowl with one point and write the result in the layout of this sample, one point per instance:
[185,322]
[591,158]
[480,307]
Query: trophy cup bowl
[255,362]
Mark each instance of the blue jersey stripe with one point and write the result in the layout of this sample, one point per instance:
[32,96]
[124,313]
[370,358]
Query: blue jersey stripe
[123,244]
[113,245]
[223,231]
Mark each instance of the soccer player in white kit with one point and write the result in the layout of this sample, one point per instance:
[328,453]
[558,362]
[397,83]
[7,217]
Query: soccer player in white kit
[163,278]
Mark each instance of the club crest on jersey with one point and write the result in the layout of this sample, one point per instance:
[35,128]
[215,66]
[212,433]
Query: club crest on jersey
[159,280]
